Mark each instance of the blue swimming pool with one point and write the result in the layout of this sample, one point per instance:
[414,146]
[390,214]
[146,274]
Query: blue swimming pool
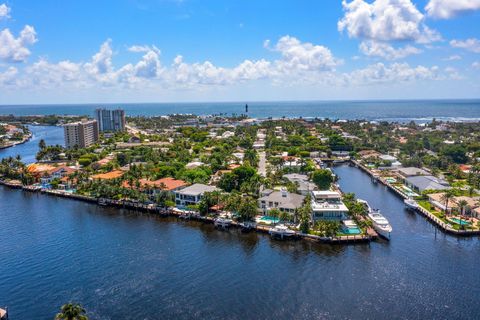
[269,219]
[460,222]
[351,231]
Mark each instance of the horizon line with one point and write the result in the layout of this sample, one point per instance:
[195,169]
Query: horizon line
[243,102]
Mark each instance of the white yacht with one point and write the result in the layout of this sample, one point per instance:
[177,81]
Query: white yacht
[281,231]
[380,223]
[410,204]
[222,222]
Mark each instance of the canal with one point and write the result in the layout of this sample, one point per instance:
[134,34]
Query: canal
[124,265]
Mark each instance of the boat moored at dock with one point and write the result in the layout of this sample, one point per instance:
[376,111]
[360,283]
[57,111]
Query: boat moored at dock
[281,231]
[380,223]
[222,222]
[410,204]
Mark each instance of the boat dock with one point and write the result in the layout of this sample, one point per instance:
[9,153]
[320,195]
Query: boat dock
[445,227]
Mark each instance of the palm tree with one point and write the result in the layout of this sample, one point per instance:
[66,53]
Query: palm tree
[446,197]
[463,205]
[71,311]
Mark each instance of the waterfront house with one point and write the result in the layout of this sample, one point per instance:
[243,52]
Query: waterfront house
[328,205]
[192,195]
[56,173]
[422,183]
[281,200]
[411,171]
[472,203]
[153,188]
[45,173]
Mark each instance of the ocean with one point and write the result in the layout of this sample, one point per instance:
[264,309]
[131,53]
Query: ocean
[401,111]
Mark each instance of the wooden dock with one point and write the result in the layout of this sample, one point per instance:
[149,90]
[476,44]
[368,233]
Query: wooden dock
[164,211]
[445,227]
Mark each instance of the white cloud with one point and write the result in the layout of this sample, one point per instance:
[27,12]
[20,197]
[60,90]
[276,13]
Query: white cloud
[298,63]
[396,72]
[385,20]
[48,75]
[453,58]
[476,65]
[386,51]
[4,11]
[471,44]
[446,9]
[304,56]
[140,48]
[101,63]
[16,49]
[9,77]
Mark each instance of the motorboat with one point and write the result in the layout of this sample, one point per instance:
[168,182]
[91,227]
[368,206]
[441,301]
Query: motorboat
[410,204]
[281,231]
[380,223]
[222,222]
[247,226]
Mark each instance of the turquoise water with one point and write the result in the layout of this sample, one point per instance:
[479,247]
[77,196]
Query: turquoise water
[351,231]
[460,222]
[269,219]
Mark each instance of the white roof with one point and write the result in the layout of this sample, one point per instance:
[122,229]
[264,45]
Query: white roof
[197,189]
[326,194]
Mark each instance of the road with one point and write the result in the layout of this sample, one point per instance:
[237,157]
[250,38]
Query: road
[262,164]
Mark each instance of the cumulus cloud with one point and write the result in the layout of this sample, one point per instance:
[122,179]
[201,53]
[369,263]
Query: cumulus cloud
[9,77]
[297,63]
[385,20]
[304,56]
[102,61]
[4,11]
[396,72]
[446,9]
[16,49]
[471,44]
[386,51]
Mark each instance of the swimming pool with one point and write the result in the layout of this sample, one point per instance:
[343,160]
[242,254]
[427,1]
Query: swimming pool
[268,219]
[351,231]
[460,222]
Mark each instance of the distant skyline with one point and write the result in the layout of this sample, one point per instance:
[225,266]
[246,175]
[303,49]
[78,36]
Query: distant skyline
[202,50]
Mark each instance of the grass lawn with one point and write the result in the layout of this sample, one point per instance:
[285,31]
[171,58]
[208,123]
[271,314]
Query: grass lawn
[427,206]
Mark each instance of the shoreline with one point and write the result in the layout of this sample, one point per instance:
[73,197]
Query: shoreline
[130,205]
[24,140]
[446,228]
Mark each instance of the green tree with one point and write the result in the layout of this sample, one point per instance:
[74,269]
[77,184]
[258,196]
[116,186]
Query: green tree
[446,197]
[42,145]
[71,311]
[322,178]
[248,208]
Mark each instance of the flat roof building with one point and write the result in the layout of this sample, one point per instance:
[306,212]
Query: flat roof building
[80,134]
[110,120]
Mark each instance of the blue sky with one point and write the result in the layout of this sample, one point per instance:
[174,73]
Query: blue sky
[201,50]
